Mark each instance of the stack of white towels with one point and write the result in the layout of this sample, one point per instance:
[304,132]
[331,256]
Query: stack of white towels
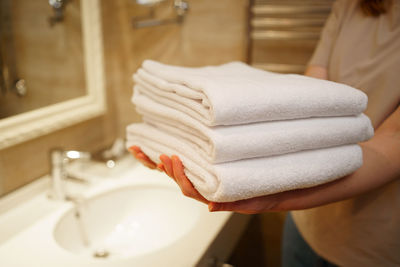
[242,132]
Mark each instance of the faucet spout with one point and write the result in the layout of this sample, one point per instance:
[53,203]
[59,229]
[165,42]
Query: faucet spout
[59,158]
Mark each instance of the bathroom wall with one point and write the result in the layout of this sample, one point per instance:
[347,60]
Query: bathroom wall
[214,32]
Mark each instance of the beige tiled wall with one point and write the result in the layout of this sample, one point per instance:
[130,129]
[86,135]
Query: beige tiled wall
[213,32]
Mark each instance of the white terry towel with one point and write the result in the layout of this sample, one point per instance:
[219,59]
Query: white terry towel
[248,178]
[228,143]
[236,93]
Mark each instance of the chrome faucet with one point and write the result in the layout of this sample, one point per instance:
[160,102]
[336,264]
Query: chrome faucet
[59,159]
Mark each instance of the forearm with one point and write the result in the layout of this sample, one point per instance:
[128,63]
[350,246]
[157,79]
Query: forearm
[375,172]
[381,165]
[317,72]
[381,156]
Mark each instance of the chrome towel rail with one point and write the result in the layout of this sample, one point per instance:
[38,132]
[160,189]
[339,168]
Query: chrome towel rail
[287,22]
[270,9]
[284,35]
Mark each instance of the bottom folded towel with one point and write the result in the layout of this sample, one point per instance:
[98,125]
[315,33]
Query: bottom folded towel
[248,178]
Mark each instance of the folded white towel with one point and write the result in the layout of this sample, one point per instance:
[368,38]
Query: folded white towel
[228,143]
[249,178]
[236,93]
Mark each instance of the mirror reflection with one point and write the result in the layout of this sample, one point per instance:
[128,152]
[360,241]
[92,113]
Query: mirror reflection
[41,55]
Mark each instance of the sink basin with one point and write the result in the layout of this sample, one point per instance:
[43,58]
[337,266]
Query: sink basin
[127,221]
[130,216]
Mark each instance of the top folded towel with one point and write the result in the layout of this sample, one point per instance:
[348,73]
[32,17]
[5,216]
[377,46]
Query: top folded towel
[236,93]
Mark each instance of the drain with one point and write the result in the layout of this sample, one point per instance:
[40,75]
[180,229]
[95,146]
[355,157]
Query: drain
[101,253]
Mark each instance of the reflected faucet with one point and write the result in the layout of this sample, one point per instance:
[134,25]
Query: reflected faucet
[180,7]
[58,7]
[59,158]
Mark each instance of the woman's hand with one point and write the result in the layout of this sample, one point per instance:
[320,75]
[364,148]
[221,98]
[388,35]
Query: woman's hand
[173,167]
[143,158]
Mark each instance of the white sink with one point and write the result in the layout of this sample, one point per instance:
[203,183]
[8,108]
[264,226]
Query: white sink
[136,217]
[127,222]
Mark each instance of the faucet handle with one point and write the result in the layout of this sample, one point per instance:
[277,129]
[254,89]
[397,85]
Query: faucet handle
[59,156]
[73,154]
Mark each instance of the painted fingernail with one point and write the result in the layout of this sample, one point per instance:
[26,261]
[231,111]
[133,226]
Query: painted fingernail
[160,167]
[212,206]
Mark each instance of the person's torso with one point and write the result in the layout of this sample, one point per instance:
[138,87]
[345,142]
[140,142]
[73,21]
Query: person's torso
[363,231]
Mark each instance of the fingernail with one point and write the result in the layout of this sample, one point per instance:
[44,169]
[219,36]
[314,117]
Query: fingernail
[159,166]
[212,206]
[132,151]
[161,157]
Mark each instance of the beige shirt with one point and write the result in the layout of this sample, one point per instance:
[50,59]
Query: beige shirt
[363,52]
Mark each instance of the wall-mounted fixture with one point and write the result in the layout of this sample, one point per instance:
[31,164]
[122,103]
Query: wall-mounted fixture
[180,8]
[283,34]
[58,7]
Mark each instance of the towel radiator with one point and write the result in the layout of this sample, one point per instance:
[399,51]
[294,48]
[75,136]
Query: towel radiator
[283,33]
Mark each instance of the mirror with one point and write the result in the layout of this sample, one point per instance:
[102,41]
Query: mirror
[53,74]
